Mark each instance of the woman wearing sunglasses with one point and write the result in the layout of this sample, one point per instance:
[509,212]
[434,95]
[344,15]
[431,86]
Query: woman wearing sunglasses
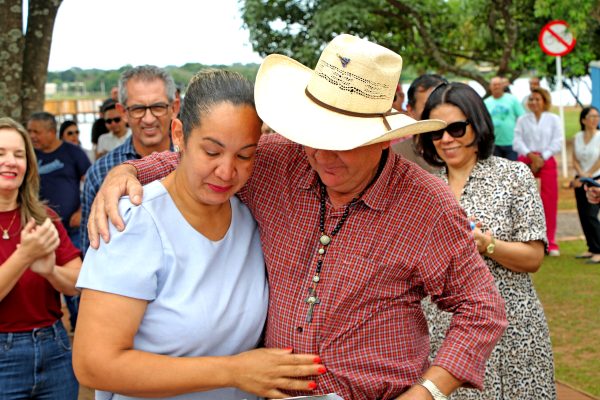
[69,132]
[508,228]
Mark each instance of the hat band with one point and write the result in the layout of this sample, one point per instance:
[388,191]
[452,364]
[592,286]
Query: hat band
[352,113]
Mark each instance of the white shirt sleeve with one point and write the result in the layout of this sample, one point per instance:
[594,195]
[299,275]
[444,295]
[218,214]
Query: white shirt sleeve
[130,264]
[518,141]
[555,136]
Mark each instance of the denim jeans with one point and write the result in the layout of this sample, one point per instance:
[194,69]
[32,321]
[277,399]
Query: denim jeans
[37,365]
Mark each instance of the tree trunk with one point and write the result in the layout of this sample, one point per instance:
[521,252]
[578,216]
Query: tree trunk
[11,58]
[40,24]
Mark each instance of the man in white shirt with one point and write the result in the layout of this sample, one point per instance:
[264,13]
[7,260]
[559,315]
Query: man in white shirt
[117,127]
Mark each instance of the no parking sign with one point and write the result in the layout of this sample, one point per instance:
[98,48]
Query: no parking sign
[556,39]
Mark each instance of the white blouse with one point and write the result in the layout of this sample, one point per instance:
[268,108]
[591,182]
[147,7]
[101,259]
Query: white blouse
[587,154]
[544,136]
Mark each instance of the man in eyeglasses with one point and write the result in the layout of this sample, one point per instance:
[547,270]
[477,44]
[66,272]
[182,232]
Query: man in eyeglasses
[117,127]
[147,103]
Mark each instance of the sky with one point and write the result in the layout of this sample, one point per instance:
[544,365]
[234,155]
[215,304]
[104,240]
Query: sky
[107,34]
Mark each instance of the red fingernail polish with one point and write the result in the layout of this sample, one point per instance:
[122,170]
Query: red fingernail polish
[289,349]
[312,385]
[317,360]
[322,370]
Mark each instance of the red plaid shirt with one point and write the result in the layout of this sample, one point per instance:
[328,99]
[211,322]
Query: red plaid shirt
[406,239]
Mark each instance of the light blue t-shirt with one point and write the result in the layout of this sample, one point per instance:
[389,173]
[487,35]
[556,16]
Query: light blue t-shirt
[205,298]
[504,111]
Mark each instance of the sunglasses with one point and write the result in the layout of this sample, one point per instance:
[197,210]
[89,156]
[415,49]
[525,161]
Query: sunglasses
[456,130]
[71,133]
[109,121]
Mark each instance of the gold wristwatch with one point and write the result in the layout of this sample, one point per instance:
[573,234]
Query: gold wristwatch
[492,246]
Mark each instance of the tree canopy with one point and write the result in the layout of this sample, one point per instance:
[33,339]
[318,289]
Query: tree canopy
[475,39]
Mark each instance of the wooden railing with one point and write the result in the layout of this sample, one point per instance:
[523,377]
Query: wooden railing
[72,108]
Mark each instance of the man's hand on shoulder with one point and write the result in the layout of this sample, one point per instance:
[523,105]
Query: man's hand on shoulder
[120,181]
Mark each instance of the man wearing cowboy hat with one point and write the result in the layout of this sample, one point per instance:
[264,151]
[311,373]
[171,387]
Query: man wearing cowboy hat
[353,235]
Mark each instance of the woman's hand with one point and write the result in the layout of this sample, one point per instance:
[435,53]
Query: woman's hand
[44,266]
[576,183]
[482,240]
[38,241]
[266,372]
[537,162]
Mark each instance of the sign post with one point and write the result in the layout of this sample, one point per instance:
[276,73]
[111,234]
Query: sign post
[556,40]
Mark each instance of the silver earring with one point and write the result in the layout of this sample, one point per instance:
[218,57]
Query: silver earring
[176,148]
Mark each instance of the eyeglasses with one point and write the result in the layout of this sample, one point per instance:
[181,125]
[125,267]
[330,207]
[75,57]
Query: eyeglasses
[157,109]
[109,121]
[456,130]
[71,133]
[591,116]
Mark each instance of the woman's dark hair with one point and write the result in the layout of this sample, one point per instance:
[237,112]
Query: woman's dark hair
[208,88]
[64,126]
[470,103]
[584,113]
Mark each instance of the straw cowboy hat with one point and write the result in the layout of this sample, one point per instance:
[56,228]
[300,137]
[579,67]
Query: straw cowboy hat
[344,103]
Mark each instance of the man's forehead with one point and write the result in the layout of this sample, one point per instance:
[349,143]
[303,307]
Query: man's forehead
[111,112]
[142,91]
[38,125]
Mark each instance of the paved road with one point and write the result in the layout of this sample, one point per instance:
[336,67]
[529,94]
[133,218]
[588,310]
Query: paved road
[568,226]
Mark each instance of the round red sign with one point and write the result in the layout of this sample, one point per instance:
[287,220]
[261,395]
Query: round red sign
[556,39]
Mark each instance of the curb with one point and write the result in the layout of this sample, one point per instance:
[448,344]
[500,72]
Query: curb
[579,392]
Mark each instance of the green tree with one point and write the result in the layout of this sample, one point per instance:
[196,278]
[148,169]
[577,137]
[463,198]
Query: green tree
[474,39]
[24,57]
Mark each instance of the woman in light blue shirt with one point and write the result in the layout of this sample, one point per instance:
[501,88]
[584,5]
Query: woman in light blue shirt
[175,303]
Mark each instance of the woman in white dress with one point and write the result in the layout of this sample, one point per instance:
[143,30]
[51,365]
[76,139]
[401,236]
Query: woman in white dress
[174,304]
[586,161]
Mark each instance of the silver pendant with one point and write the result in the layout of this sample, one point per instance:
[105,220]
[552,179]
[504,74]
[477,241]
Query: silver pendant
[5,235]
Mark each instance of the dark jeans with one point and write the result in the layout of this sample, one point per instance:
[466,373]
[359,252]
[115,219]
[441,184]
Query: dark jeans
[505,152]
[588,217]
[37,365]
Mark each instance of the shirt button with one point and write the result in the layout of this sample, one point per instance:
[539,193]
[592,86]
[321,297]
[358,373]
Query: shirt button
[299,329]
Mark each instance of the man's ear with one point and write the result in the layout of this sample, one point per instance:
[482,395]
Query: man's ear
[121,109]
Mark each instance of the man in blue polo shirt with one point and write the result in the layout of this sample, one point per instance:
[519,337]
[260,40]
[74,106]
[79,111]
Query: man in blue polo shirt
[505,109]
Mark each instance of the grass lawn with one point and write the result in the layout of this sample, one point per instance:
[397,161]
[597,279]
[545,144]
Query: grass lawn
[570,292]
[571,120]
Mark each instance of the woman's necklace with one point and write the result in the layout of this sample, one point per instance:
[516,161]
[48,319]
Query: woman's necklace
[5,234]
[324,241]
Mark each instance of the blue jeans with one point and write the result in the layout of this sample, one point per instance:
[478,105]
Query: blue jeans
[37,365]
[72,302]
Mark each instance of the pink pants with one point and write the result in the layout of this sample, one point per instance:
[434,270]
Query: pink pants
[548,175]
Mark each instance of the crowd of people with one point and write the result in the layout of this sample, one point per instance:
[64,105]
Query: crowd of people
[362,249]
